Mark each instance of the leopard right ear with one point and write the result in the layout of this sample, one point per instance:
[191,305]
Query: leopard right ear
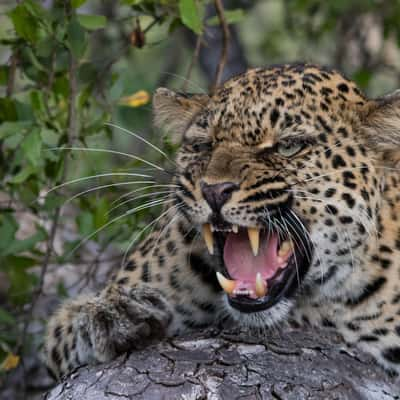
[174,111]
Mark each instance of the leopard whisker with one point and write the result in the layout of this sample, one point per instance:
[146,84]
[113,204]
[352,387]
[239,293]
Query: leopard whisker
[124,215]
[91,149]
[142,139]
[85,178]
[151,223]
[141,189]
[139,197]
[103,187]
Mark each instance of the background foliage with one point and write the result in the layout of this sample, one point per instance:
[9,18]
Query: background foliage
[68,67]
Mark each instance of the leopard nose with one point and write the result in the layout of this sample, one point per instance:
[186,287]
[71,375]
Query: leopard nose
[218,194]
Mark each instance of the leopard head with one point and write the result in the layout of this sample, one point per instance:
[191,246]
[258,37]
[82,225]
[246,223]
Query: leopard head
[281,170]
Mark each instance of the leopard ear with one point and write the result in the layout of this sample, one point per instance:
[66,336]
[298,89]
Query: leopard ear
[173,111]
[382,123]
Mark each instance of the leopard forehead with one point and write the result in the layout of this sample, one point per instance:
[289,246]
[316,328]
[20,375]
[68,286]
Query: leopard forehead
[262,104]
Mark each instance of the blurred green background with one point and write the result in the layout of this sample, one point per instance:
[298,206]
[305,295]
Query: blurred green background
[70,67]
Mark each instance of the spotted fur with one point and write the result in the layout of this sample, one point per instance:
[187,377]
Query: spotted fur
[343,182]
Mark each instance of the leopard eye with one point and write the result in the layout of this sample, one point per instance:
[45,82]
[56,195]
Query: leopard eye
[287,149]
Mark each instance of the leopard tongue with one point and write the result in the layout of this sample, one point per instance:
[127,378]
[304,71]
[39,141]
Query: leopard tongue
[243,267]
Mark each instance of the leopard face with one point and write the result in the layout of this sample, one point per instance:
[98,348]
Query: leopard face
[279,171]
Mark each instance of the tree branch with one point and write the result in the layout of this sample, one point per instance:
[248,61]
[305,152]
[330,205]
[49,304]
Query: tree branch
[297,364]
[225,43]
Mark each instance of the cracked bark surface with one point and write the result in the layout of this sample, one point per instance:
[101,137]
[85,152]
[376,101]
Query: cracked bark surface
[294,365]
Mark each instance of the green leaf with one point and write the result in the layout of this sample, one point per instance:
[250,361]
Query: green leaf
[92,22]
[9,128]
[25,24]
[32,147]
[76,38]
[85,222]
[77,3]
[6,318]
[8,111]
[190,15]
[4,69]
[19,246]
[23,175]
[231,17]
[8,229]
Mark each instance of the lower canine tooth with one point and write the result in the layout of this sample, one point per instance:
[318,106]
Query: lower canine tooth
[226,284]
[261,287]
[235,229]
[208,238]
[254,238]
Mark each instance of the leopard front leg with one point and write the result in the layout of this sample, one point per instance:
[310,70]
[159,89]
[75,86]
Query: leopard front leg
[97,328]
[168,287]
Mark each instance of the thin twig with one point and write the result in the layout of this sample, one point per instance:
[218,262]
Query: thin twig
[11,74]
[192,63]
[225,43]
[71,133]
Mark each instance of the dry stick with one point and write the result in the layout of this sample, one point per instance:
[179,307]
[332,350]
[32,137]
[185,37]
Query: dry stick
[225,43]
[192,63]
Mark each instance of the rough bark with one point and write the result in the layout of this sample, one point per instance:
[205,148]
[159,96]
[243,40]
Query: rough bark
[294,365]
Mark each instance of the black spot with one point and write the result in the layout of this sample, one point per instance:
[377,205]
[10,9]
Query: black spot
[331,209]
[352,327]
[385,263]
[171,248]
[368,338]
[397,330]
[337,161]
[55,356]
[274,116]
[343,88]
[146,277]
[392,354]
[328,323]
[130,266]
[350,151]
[380,331]
[323,123]
[123,281]
[369,290]
[385,249]
[346,219]
[330,192]
[58,331]
[66,351]
[70,329]
[161,261]
[348,198]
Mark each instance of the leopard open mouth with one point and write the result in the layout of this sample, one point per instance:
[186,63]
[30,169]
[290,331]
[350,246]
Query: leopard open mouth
[259,266]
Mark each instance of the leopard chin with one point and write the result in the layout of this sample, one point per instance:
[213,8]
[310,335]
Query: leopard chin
[259,266]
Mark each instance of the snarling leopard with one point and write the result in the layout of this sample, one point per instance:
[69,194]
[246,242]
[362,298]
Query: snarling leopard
[286,207]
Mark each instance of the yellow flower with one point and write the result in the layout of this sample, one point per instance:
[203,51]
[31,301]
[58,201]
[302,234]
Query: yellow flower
[10,362]
[137,99]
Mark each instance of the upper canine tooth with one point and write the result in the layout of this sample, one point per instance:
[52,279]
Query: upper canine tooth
[235,229]
[254,237]
[285,248]
[227,284]
[208,238]
[261,287]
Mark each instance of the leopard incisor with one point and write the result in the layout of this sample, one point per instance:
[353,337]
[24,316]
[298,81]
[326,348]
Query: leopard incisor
[287,207]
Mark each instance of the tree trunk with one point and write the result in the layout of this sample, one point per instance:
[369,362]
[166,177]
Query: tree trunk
[291,365]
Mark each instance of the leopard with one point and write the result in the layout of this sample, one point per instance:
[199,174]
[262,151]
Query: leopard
[285,212]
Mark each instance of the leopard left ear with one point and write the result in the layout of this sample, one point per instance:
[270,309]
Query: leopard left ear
[382,123]
[173,111]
